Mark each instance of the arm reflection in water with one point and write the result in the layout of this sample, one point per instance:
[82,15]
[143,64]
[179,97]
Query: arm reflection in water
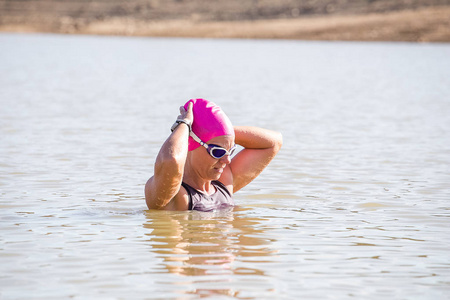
[199,243]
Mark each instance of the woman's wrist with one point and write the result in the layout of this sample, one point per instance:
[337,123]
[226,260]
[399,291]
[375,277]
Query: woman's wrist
[180,121]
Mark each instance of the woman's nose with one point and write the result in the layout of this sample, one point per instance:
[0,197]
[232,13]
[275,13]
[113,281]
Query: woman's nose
[226,159]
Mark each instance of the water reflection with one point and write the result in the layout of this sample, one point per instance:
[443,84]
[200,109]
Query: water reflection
[210,246]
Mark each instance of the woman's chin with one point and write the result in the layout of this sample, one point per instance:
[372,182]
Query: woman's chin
[217,172]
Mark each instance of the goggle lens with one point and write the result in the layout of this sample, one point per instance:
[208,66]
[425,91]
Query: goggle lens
[218,152]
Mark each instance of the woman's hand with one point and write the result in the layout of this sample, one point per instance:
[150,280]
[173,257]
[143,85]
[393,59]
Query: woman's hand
[188,114]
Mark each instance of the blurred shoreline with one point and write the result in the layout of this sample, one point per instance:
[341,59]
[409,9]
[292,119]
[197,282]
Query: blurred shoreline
[376,20]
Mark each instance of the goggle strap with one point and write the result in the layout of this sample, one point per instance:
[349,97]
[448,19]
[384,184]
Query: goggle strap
[197,139]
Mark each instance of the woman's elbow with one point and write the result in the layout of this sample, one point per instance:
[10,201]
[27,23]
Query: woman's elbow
[278,142]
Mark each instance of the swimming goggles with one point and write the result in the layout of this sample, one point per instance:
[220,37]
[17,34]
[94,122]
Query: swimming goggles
[215,151]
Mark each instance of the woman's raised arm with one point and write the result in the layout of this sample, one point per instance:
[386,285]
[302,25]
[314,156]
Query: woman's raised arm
[260,147]
[164,185]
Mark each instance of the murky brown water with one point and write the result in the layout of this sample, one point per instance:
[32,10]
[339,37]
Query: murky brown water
[356,205]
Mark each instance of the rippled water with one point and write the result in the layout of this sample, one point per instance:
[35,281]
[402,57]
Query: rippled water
[356,205]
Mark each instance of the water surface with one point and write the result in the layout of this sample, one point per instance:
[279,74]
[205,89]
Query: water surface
[354,206]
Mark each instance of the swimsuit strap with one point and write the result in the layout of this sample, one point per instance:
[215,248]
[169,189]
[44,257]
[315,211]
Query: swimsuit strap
[189,191]
[218,184]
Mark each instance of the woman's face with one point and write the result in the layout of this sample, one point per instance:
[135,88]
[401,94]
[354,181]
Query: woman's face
[207,166]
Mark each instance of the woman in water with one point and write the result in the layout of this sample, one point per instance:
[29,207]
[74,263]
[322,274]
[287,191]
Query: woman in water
[194,169]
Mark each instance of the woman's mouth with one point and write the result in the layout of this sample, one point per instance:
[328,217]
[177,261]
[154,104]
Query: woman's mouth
[219,169]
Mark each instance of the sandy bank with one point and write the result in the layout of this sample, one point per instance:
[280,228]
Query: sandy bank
[427,24]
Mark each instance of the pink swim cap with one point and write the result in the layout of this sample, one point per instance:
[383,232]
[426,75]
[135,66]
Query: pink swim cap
[209,122]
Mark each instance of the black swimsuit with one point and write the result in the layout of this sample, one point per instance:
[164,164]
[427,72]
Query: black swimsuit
[202,202]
